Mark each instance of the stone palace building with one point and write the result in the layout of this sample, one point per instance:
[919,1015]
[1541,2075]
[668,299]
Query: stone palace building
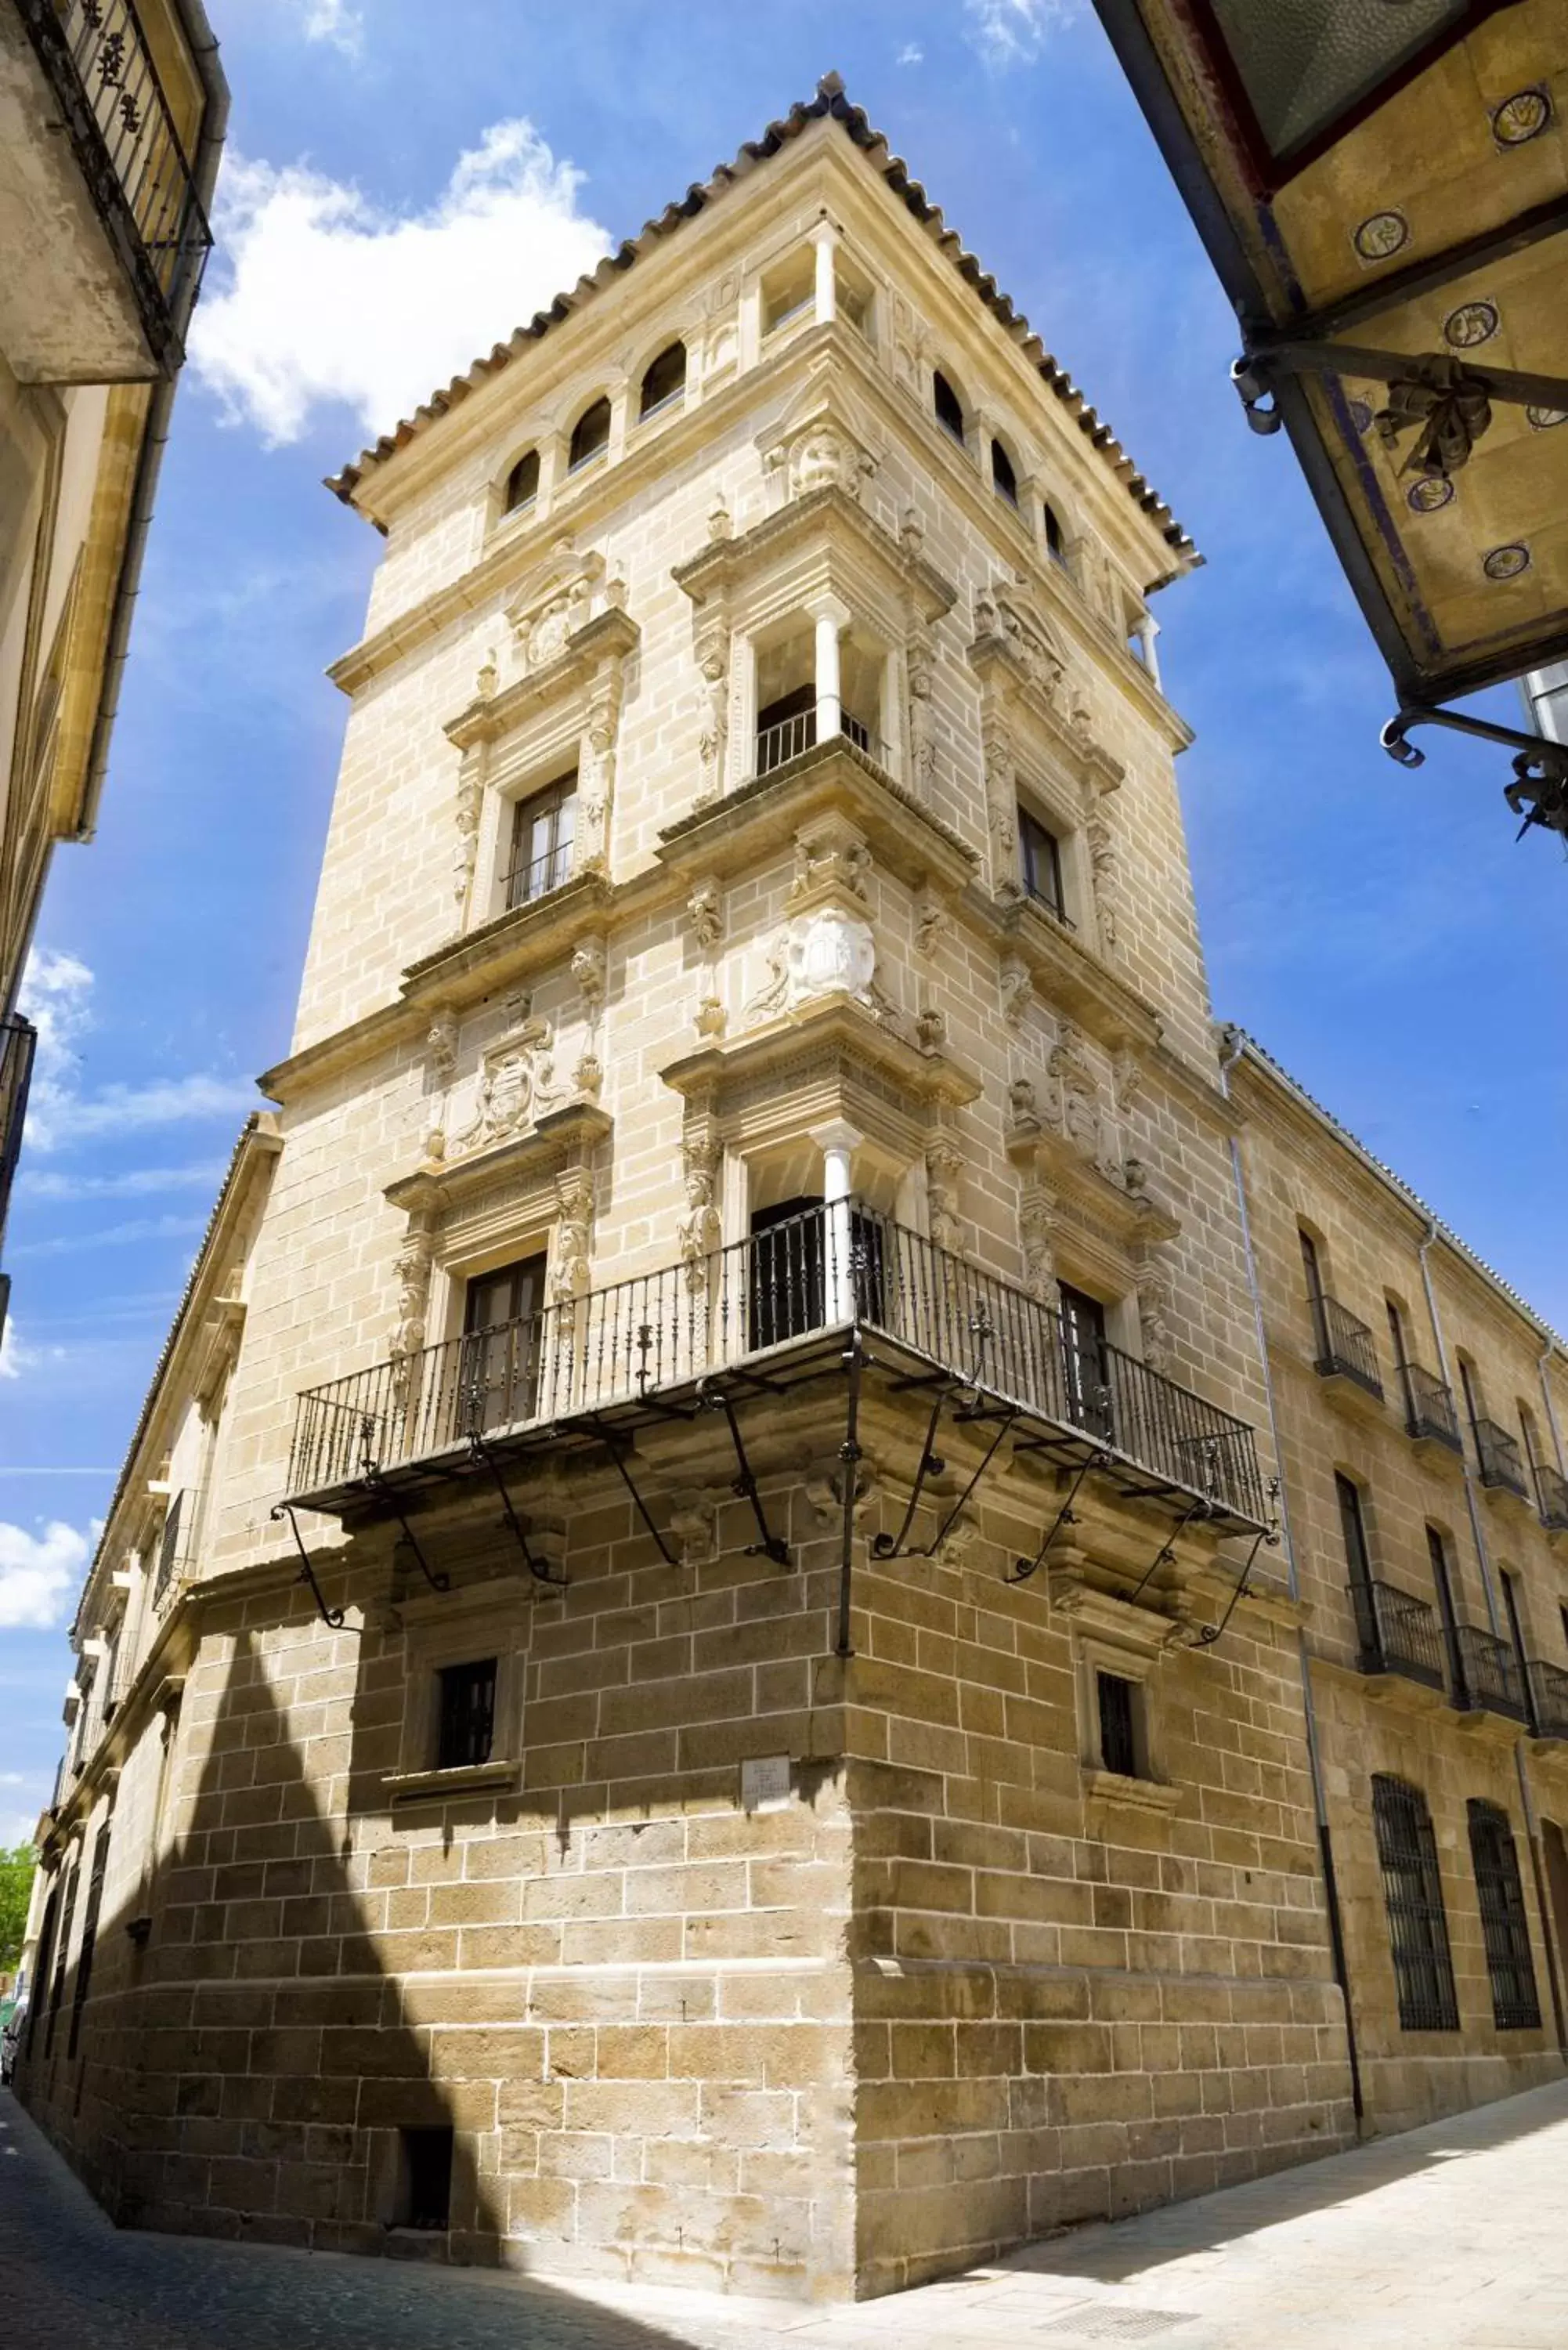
[810,1582]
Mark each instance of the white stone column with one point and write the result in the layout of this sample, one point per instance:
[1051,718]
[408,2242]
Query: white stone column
[831,618]
[825,239]
[837,1141]
[1146,627]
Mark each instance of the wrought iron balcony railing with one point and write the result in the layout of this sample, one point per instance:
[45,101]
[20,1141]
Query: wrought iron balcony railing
[117,115]
[758,1304]
[1430,1408]
[1552,1500]
[174,1548]
[1345,1348]
[1500,1457]
[1549,1698]
[1398,1633]
[1491,1679]
[776,745]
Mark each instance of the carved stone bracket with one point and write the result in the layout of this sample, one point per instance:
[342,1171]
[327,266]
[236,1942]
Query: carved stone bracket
[571,1271]
[944,1165]
[1017,656]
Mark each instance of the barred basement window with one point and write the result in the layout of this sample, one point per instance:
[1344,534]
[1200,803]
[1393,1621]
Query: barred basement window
[1118,1728]
[1413,1892]
[1514,2003]
[466,1723]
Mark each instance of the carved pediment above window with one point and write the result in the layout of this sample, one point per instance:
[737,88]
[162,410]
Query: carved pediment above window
[820,540]
[569,625]
[1019,658]
[822,442]
[1066,1136]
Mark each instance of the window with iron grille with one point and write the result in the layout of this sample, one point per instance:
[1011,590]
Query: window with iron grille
[1118,1726]
[1413,1893]
[1512,1971]
[465,1728]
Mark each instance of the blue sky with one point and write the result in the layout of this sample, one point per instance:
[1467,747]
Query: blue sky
[402,187]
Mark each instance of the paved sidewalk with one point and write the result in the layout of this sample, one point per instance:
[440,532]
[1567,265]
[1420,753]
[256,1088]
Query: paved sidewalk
[1451,2238]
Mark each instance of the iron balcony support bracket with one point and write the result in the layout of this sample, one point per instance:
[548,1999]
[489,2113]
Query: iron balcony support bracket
[1254,376]
[768,1544]
[1163,1557]
[481,1451]
[1023,1568]
[387,1493]
[333,1617]
[1008,1418]
[1270,1534]
[618,1447]
[1538,791]
[886,1546]
[849,1455]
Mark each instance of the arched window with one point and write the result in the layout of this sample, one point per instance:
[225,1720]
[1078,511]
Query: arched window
[1516,2005]
[1413,1895]
[590,435]
[1056,538]
[664,380]
[522,483]
[1003,480]
[948,406]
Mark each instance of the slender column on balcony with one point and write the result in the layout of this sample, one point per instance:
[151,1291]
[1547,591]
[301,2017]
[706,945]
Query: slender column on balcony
[825,239]
[837,1141]
[831,619]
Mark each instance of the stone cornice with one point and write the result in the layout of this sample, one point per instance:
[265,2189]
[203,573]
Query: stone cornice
[839,1029]
[1071,978]
[818,515]
[905,837]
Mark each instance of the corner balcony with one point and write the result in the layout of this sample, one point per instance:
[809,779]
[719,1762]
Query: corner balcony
[1500,1459]
[1489,1679]
[1345,1348]
[827,1301]
[102,228]
[1429,1413]
[1552,1500]
[1398,1633]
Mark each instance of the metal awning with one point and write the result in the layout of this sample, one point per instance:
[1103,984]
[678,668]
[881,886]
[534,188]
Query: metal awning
[1382,186]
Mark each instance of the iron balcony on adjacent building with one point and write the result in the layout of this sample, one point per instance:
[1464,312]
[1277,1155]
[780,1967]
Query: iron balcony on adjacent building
[1398,1633]
[1489,1677]
[1552,1500]
[1549,1698]
[1501,1459]
[1345,1348]
[106,234]
[1429,1411]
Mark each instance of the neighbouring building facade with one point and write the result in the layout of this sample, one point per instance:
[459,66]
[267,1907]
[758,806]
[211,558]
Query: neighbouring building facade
[699,1666]
[111,120]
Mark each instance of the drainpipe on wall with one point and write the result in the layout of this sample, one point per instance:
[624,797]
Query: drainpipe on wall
[1230,1053]
[1531,1824]
[1550,1349]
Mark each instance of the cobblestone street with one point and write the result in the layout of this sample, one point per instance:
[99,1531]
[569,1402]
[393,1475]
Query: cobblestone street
[1450,2237]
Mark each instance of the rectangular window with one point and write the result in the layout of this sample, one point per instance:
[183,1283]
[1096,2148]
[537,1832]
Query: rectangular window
[1086,1363]
[1511,1969]
[1413,1895]
[543,827]
[1041,852]
[424,2183]
[1353,1526]
[465,1726]
[503,1321]
[1119,1735]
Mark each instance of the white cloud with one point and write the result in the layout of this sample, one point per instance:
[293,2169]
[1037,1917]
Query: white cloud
[335,22]
[56,995]
[911,54]
[17,1357]
[330,297]
[38,1573]
[134,1184]
[1013,32]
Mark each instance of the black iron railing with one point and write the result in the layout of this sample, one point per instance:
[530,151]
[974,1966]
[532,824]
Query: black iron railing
[1398,1633]
[1552,1500]
[1501,1459]
[174,1546]
[1430,1408]
[1549,1698]
[825,1269]
[1345,1348]
[776,745]
[1489,1674]
[100,67]
[538,876]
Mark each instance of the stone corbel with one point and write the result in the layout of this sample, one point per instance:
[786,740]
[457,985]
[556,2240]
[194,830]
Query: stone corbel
[1016,982]
[933,921]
